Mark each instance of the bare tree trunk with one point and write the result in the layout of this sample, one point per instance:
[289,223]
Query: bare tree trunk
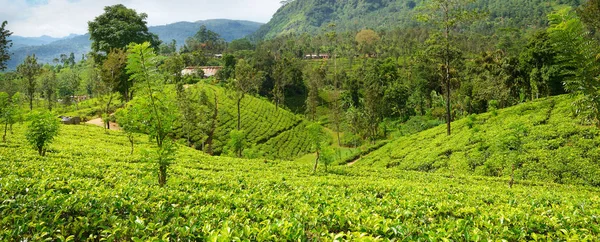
[447,74]
[238,114]
[316,161]
[213,128]
[5,129]
[131,140]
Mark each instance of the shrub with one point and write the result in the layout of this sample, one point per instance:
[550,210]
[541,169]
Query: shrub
[42,130]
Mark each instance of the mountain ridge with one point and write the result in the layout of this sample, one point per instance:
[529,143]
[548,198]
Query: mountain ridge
[47,48]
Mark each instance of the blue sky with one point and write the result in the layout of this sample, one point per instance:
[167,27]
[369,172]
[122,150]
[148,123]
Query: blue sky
[59,18]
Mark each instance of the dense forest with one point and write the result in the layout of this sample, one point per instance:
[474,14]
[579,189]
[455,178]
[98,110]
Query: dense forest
[313,16]
[337,120]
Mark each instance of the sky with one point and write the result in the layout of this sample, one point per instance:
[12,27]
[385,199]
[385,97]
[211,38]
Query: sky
[59,18]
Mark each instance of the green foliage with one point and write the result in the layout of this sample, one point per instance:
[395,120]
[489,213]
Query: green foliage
[156,107]
[117,27]
[5,45]
[98,193]
[29,70]
[312,16]
[578,60]
[42,129]
[544,139]
[237,142]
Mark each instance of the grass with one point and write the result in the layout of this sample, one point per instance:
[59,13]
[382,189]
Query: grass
[88,187]
[539,140]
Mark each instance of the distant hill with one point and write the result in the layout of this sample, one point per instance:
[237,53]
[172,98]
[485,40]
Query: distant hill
[313,16]
[228,29]
[540,139]
[47,48]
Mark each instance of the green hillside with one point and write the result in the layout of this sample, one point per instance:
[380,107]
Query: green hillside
[88,187]
[270,132]
[314,16]
[540,139]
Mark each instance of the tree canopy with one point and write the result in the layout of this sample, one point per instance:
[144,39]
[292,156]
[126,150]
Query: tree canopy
[117,27]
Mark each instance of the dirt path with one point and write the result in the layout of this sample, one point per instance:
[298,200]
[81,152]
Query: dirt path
[98,122]
[354,161]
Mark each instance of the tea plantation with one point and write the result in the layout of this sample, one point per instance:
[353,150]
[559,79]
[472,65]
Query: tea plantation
[540,140]
[88,187]
[267,127]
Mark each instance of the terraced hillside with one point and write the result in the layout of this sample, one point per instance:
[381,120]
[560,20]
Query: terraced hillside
[88,187]
[538,140]
[272,132]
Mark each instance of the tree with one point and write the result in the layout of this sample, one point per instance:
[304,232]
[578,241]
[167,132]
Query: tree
[204,40]
[314,76]
[447,15]
[49,86]
[157,108]
[366,40]
[7,112]
[579,59]
[317,139]
[29,70]
[5,44]
[247,82]
[42,130]
[113,75]
[117,27]
[589,13]
[130,122]
[69,81]
[237,142]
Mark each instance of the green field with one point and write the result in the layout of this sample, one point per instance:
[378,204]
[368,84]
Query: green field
[89,187]
[541,140]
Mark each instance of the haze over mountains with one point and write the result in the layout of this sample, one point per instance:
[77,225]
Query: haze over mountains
[47,48]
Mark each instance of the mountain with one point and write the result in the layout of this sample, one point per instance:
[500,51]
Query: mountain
[537,140]
[47,48]
[228,29]
[314,16]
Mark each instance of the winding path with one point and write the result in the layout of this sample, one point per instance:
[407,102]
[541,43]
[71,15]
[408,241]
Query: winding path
[98,122]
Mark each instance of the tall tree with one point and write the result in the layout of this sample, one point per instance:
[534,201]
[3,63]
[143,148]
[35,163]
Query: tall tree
[48,86]
[69,81]
[113,75]
[314,76]
[158,108]
[247,82]
[447,16]
[117,27]
[5,44]
[29,70]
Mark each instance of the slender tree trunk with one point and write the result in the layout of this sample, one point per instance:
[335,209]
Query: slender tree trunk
[316,162]
[30,102]
[209,140]
[238,114]
[131,140]
[107,122]
[447,74]
[5,129]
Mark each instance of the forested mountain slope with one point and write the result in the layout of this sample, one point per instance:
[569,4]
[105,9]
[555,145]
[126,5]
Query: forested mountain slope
[314,16]
[539,140]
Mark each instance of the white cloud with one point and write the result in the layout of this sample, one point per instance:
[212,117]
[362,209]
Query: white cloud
[60,18]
